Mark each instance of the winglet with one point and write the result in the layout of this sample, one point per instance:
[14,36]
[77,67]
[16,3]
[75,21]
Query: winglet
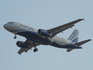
[81,19]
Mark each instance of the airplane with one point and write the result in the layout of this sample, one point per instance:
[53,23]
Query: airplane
[36,37]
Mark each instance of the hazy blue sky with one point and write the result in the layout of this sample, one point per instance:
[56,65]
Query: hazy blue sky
[46,14]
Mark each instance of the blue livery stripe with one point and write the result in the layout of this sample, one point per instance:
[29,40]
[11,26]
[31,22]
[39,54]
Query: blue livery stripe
[74,36]
[19,30]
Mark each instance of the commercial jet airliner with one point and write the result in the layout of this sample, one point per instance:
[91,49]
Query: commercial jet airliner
[35,37]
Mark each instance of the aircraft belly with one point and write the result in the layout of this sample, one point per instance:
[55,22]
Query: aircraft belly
[34,37]
[68,46]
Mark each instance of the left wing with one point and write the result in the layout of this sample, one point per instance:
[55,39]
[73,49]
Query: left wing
[61,28]
[31,45]
[21,50]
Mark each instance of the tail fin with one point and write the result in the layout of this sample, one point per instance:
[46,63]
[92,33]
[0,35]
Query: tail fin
[74,36]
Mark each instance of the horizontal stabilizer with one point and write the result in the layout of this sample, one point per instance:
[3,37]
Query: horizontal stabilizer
[68,50]
[81,43]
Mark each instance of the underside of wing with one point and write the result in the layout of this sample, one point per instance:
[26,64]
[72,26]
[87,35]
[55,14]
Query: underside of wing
[61,28]
[21,51]
[30,43]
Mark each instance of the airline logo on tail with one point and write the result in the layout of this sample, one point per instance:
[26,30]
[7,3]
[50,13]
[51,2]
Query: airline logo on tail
[74,36]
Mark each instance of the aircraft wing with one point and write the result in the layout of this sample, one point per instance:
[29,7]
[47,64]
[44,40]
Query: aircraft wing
[21,50]
[29,47]
[61,28]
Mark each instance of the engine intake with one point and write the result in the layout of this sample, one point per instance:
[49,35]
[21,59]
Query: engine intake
[21,44]
[44,32]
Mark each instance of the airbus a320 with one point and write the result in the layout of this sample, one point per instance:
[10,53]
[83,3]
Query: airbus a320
[36,37]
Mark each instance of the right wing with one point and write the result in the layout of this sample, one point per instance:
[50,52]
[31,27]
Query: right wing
[61,28]
[31,45]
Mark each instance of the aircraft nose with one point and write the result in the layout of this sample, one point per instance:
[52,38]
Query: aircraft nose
[10,26]
[5,26]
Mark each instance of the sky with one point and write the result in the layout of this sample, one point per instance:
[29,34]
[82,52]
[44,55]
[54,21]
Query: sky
[46,14]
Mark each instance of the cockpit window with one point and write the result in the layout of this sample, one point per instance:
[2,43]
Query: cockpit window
[10,22]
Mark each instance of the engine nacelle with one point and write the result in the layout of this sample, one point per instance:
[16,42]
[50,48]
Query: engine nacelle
[21,44]
[44,32]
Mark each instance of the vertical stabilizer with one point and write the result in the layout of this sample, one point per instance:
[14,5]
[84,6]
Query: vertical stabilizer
[74,36]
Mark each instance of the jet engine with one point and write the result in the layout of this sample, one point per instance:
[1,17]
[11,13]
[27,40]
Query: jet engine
[21,44]
[44,33]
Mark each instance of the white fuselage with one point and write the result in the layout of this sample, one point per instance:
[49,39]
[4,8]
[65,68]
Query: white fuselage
[15,27]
